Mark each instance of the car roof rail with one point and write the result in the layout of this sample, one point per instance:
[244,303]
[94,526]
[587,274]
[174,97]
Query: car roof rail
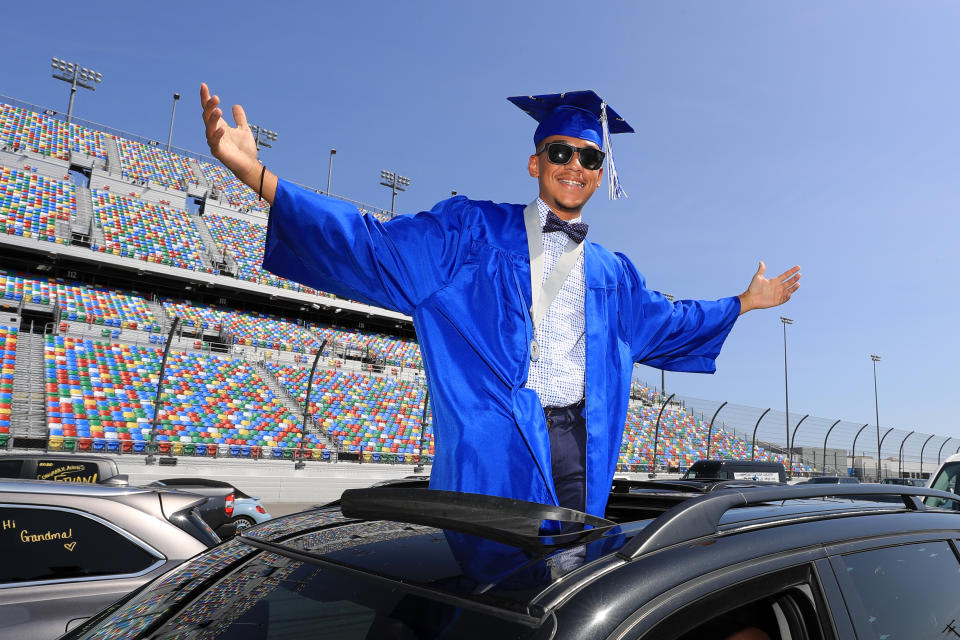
[513,522]
[700,517]
[698,485]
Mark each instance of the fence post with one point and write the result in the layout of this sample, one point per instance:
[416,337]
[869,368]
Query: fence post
[921,454]
[941,449]
[879,450]
[793,439]
[656,435]
[823,472]
[710,431]
[900,456]
[753,442]
[853,447]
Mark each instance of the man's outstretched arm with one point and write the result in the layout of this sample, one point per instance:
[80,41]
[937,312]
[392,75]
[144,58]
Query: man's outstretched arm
[764,293]
[235,146]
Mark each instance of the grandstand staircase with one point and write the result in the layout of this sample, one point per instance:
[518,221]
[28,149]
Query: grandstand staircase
[210,256]
[288,400]
[160,314]
[82,223]
[198,174]
[28,412]
[113,156]
[96,235]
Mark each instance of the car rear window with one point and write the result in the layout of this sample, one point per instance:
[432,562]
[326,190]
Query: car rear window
[284,598]
[272,596]
[10,468]
[44,544]
[68,471]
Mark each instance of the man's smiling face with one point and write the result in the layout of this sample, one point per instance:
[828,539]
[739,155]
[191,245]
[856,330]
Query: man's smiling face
[565,188]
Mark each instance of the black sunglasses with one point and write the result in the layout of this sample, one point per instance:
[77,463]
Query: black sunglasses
[562,153]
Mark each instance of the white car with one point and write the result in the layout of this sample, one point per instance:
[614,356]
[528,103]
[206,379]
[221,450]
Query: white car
[247,510]
[946,478]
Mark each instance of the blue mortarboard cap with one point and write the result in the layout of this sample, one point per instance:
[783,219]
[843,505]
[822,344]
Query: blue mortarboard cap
[578,114]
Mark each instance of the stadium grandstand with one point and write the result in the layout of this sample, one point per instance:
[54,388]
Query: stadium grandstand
[109,239]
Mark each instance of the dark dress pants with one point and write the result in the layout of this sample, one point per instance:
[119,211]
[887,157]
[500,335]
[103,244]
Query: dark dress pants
[568,445]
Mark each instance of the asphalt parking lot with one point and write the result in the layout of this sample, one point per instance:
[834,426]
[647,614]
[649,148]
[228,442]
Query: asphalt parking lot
[276,509]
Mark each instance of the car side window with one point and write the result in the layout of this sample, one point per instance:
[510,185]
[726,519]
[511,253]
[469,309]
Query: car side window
[778,606]
[906,591]
[45,544]
[10,468]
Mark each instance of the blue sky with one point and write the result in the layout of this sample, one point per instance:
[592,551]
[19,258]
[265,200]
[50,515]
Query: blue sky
[819,133]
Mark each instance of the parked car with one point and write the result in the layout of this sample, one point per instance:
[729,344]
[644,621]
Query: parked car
[907,482]
[758,470]
[217,511]
[247,509]
[62,468]
[806,561]
[69,550]
[832,480]
[946,478]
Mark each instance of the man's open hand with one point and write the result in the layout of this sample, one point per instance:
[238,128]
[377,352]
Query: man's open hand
[233,146]
[764,293]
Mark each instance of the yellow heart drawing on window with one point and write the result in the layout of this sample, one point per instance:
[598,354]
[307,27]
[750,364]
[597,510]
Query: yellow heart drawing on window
[69,545]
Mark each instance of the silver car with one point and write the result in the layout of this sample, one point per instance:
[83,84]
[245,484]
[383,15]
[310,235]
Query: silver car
[71,549]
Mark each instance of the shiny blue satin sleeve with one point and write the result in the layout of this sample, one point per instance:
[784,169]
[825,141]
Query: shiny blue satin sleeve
[329,245]
[685,335]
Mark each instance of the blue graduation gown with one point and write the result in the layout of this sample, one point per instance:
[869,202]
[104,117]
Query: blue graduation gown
[462,271]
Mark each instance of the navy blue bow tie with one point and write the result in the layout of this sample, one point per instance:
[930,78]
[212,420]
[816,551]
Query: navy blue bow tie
[576,231]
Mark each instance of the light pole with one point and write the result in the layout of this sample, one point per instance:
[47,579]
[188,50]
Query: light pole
[77,76]
[173,114]
[663,375]
[262,137]
[333,152]
[395,182]
[786,388]
[876,406]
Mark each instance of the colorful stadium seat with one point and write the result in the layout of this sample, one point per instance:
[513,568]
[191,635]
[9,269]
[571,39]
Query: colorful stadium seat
[147,231]
[152,164]
[103,390]
[30,204]
[362,414]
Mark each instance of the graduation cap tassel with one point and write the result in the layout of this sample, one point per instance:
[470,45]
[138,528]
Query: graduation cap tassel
[613,182]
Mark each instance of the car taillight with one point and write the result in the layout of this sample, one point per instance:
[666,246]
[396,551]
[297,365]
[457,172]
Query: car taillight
[261,509]
[229,505]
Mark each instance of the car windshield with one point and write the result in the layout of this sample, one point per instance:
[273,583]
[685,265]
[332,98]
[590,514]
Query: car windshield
[947,480]
[701,470]
[354,579]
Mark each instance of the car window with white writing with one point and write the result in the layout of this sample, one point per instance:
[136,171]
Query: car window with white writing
[908,591]
[50,544]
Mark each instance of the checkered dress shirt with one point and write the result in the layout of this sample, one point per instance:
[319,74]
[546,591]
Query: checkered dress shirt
[558,375]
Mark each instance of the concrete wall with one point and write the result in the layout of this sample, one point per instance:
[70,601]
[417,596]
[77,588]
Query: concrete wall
[271,481]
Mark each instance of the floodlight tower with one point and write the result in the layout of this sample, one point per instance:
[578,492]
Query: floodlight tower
[876,407]
[173,114]
[333,152]
[395,182]
[786,392]
[77,76]
[262,137]
[663,375]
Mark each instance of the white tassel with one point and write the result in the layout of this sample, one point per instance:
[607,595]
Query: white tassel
[613,182]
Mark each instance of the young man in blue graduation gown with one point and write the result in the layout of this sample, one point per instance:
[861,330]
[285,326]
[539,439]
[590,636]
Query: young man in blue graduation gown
[463,272]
